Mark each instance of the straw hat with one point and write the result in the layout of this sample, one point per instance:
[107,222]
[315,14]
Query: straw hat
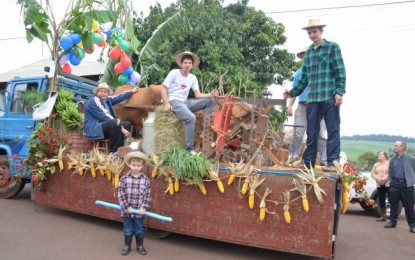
[196,60]
[314,23]
[102,85]
[302,52]
[135,154]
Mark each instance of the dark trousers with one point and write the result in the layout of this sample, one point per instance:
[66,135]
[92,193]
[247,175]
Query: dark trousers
[133,226]
[399,191]
[316,111]
[382,191]
[112,131]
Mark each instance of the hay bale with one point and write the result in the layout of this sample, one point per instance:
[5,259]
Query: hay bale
[169,131]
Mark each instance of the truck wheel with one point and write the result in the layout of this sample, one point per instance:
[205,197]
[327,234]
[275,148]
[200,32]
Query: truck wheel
[366,207]
[10,186]
[388,207]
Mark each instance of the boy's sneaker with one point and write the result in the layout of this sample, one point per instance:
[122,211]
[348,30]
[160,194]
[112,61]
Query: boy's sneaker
[193,152]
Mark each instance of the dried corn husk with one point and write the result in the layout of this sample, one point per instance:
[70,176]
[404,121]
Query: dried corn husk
[302,189]
[309,177]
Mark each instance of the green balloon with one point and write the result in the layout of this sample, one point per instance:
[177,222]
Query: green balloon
[81,53]
[96,38]
[123,44]
[122,78]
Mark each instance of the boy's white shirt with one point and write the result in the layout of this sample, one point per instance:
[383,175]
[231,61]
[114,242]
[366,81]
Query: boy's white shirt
[178,86]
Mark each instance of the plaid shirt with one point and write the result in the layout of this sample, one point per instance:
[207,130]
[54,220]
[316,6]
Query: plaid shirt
[323,73]
[134,192]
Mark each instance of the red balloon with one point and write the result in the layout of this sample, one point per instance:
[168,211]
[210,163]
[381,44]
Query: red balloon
[89,51]
[118,68]
[101,44]
[125,60]
[115,53]
[66,68]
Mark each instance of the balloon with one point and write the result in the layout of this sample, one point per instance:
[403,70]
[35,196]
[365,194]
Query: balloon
[118,68]
[96,38]
[73,58]
[108,33]
[101,44]
[95,26]
[63,58]
[66,68]
[125,60]
[135,76]
[132,83]
[80,44]
[115,53]
[66,42]
[81,53]
[89,51]
[122,79]
[128,71]
[76,38]
[123,44]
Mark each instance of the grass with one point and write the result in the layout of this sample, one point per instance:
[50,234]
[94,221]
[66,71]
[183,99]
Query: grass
[355,148]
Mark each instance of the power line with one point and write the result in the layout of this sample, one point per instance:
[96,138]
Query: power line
[339,7]
[12,38]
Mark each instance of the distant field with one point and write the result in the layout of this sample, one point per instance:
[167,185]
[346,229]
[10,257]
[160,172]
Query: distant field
[355,148]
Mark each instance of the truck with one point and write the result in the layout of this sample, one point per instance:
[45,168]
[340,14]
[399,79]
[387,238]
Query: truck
[17,124]
[219,216]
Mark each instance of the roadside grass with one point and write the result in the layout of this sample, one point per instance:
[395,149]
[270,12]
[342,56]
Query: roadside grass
[355,148]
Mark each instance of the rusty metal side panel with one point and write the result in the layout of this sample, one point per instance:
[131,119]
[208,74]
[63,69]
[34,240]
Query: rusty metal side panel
[224,217]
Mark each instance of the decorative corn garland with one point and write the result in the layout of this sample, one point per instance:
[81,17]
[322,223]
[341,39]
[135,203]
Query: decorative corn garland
[60,157]
[236,170]
[309,178]
[214,176]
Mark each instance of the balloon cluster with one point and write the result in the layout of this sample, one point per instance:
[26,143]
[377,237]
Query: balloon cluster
[73,49]
[123,67]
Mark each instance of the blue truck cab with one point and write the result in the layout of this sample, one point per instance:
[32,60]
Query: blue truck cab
[17,124]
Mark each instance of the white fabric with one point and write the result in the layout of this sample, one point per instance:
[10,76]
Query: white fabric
[178,86]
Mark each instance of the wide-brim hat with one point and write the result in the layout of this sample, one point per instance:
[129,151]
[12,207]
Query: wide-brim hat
[302,52]
[135,154]
[196,60]
[314,23]
[102,85]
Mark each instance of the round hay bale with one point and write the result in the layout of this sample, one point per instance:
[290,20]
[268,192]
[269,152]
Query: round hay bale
[169,131]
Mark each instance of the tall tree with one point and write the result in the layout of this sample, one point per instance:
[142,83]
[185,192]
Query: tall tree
[238,45]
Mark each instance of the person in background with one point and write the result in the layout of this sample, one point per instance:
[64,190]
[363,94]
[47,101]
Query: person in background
[134,192]
[100,122]
[402,181]
[177,87]
[380,175]
[324,74]
[300,121]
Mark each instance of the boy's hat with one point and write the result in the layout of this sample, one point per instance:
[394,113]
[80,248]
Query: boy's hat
[102,85]
[314,23]
[135,154]
[196,60]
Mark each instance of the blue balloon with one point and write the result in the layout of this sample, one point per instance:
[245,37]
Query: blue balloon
[108,33]
[66,42]
[128,71]
[73,58]
[76,38]
[132,83]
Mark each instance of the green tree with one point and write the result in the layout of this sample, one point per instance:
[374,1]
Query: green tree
[238,45]
[367,159]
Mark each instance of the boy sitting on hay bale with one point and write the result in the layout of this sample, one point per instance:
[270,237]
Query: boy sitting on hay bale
[177,86]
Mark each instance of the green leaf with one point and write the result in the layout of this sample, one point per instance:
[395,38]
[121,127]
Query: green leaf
[39,33]
[52,169]
[29,35]
[105,16]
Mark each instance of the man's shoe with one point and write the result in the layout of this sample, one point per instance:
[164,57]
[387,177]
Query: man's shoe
[329,168]
[390,225]
[412,229]
[193,152]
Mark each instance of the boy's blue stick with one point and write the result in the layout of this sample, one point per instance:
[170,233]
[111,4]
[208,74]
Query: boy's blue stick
[135,211]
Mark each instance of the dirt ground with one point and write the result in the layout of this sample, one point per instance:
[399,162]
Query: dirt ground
[29,231]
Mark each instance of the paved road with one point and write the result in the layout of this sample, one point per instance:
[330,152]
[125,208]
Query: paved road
[29,231]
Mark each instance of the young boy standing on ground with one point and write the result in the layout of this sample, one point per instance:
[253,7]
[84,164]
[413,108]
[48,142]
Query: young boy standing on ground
[134,193]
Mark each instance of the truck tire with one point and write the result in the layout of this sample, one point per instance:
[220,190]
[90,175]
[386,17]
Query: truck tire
[10,186]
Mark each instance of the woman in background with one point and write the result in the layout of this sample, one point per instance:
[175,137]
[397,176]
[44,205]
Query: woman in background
[380,175]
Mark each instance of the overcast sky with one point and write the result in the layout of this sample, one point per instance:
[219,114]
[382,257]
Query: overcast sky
[377,42]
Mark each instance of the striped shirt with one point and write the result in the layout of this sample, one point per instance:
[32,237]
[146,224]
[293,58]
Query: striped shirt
[134,192]
[323,72]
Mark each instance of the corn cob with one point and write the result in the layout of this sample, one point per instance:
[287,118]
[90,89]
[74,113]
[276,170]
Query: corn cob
[176,185]
[306,206]
[253,184]
[116,181]
[81,171]
[302,189]
[345,197]
[262,205]
[231,179]
[309,177]
[108,174]
[202,187]
[236,170]
[154,172]
[345,185]
[171,186]
[101,170]
[244,189]
[287,216]
[70,165]
[93,171]
[60,157]
[251,200]
[220,186]
[344,207]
